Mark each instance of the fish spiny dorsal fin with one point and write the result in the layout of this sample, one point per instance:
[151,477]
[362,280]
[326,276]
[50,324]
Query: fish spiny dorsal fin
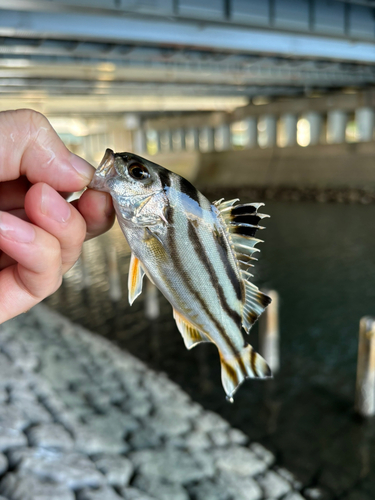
[135,278]
[191,335]
[242,223]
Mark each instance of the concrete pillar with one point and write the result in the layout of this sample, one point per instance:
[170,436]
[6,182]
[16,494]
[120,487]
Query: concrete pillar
[336,126]
[252,132]
[223,138]
[178,139]
[290,128]
[192,139]
[364,118]
[165,141]
[270,131]
[206,139]
[139,141]
[316,123]
[365,386]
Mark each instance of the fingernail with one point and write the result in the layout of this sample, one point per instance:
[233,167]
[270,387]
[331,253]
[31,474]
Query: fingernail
[53,205]
[81,166]
[13,228]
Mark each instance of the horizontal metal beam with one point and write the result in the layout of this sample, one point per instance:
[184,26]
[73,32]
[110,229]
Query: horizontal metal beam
[66,25]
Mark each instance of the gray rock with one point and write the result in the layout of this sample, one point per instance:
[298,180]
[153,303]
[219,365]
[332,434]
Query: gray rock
[18,486]
[294,496]
[239,461]
[262,453]
[237,437]
[135,494]
[3,464]
[118,470]
[11,438]
[289,477]
[196,440]
[240,487]
[166,422]
[71,469]
[144,438]
[50,436]
[13,418]
[102,493]
[174,465]
[36,412]
[162,490]
[210,421]
[95,437]
[274,486]
[3,396]
[209,490]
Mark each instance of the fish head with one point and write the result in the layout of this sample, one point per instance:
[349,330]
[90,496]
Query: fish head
[135,185]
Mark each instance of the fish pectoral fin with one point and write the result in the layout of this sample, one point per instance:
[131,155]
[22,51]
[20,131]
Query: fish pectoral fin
[135,279]
[191,335]
[246,364]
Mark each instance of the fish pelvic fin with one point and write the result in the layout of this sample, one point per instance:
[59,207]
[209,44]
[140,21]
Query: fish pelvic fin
[237,368]
[135,279]
[242,223]
[190,333]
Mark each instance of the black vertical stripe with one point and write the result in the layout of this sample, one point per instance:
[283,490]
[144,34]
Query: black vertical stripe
[201,253]
[222,247]
[189,190]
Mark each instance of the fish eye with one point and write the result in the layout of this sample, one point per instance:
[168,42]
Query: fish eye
[138,172]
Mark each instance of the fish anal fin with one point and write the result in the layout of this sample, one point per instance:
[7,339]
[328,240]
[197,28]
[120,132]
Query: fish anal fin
[135,278]
[190,333]
[246,364]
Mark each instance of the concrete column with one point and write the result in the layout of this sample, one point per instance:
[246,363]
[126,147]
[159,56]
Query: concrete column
[178,139]
[290,127]
[192,139]
[252,132]
[336,126]
[165,141]
[364,118]
[139,141]
[270,131]
[316,123]
[223,138]
[206,139]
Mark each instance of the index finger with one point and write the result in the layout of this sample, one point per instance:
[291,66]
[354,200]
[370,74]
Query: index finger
[30,146]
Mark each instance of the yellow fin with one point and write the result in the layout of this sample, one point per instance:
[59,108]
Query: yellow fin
[135,278]
[191,335]
[247,364]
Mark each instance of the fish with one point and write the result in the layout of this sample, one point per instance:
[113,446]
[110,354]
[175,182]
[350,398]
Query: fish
[197,253]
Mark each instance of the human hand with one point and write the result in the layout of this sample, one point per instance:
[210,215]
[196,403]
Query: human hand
[41,234]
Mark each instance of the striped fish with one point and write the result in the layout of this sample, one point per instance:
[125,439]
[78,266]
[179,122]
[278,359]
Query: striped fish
[198,254]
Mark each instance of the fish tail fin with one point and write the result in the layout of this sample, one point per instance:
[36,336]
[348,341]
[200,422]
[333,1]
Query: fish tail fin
[246,364]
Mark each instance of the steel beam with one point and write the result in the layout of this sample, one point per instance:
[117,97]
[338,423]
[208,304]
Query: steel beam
[162,32]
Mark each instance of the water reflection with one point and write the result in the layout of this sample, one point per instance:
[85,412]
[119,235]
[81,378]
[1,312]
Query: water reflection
[321,260]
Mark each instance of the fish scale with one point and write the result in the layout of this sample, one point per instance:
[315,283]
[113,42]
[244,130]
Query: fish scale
[195,252]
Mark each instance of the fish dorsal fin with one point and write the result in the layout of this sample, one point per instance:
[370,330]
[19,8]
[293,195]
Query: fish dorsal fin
[135,279]
[191,335]
[242,223]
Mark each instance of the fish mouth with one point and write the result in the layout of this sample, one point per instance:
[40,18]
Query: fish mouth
[106,164]
[104,168]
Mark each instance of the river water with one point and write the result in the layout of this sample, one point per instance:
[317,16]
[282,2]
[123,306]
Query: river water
[321,260]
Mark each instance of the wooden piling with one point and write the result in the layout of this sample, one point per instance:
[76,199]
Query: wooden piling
[115,292]
[269,332]
[365,386]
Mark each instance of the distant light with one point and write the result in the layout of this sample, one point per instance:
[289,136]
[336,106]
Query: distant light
[106,66]
[303,132]
[260,100]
